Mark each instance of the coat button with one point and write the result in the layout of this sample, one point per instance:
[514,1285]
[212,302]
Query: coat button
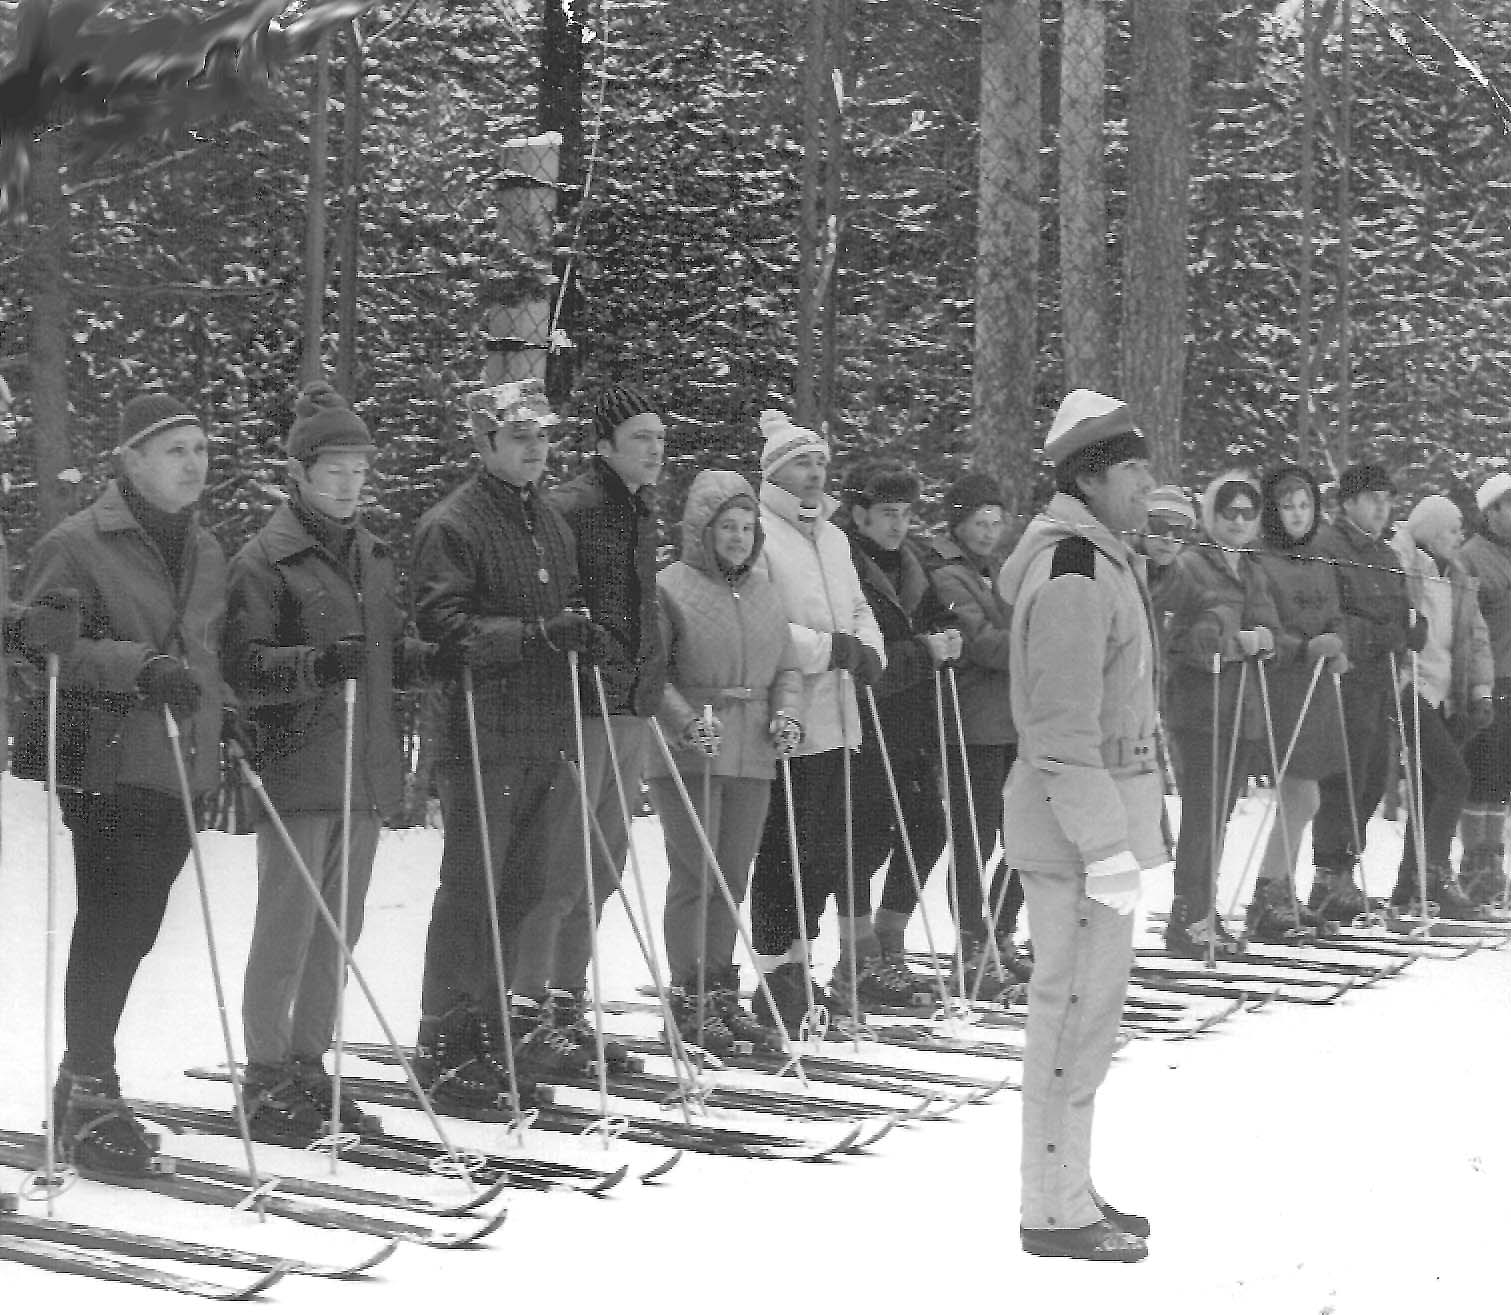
[1084,922]
[1075,999]
[1051,1145]
[1059,1072]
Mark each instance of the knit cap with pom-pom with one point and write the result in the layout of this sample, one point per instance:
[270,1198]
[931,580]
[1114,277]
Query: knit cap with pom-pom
[785,441]
[323,422]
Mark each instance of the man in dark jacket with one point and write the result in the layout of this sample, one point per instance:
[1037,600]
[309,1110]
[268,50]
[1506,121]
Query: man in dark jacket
[919,636]
[610,508]
[312,605]
[1375,630]
[151,587]
[495,584]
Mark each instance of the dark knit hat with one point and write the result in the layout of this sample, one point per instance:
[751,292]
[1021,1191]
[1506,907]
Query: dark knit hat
[153,413]
[1364,478]
[323,422]
[879,480]
[968,493]
[616,404]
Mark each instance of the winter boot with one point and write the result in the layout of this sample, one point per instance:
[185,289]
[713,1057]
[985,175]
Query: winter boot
[1444,890]
[570,1011]
[96,1130]
[449,1063]
[714,1036]
[278,1107]
[321,1092]
[742,1024]
[1336,895]
[988,977]
[1016,959]
[881,982]
[1189,936]
[1483,876]
[788,984]
[542,1050]
[1272,918]
[894,956]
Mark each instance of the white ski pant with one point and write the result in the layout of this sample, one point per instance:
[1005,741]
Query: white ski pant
[1083,953]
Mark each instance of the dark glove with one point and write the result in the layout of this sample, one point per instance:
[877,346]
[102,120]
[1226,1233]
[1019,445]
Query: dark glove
[1206,636]
[49,625]
[844,651]
[1323,646]
[572,632]
[167,683]
[422,661]
[868,668]
[342,659]
[1481,714]
[234,730]
[1416,635]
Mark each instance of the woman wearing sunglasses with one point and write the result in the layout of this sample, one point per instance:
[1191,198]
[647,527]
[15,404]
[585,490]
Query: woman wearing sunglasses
[1220,605]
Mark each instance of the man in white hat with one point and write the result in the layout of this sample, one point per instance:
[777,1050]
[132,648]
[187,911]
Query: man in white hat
[833,630]
[1083,804]
[1488,753]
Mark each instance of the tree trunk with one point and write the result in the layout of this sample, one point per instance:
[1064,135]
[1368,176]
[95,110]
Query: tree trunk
[1007,246]
[312,364]
[1305,404]
[519,314]
[349,238]
[1083,195]
[1155,239]
[815,89]
[833,240]
[559,110]
[48,351]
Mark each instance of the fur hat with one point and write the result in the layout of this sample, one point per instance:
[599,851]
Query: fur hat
[880,480]
[1364,478]
[616,404]
[323,422]
[153,413]
[968,494]
[785,441]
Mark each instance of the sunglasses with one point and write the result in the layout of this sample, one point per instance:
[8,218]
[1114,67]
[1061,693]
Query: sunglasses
[1179,530]
[1239,512]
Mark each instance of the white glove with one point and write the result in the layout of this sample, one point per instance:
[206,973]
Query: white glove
[1256,641]
[703,733]
[1115,882]
[943,645]
[786,733]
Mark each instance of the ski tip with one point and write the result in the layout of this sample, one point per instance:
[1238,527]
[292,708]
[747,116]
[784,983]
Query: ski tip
[659,1171]
[469,1238]
[364,1265]
[602,1185]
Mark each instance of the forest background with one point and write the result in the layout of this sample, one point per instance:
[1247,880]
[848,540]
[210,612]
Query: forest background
[1279,228]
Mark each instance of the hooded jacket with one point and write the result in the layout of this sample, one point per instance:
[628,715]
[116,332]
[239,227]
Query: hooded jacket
[726,642]
[965,586]
[1086,785]
[808,562]
[1450,602]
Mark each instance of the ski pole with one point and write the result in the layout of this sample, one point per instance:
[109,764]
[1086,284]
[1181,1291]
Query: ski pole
[1413,799]
[857,1020]
[952,872]
[51,1184]
[1368,918]
[908,856]
[1213,824]
[338,1047]
[674,1038]
[490,892]
[453,1162]
[815,1022]
[708,717]
[989,953]
[585,814]
[722,885]
[242,1125]
[1279,769]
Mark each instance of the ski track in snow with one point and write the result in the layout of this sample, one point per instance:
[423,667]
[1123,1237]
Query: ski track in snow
[1353,1158]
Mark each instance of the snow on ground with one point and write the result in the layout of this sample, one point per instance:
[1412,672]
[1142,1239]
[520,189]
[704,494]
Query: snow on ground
[1349,1158]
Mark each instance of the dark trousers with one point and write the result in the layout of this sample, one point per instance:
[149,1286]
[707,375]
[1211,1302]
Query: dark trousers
[531,811]
[1194,856]
[1367,711]
[987,766]
[1488,756]
[128,847]
[1445,783]
[817,789]
[877,835]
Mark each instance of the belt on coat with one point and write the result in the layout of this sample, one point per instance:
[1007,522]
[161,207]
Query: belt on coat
[1131,755]
[722,696]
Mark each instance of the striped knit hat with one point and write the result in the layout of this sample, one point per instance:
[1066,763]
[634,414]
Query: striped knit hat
[152,413]
[785,441]
[616,404]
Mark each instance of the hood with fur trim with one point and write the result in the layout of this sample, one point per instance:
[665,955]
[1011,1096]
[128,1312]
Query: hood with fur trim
[1209,496]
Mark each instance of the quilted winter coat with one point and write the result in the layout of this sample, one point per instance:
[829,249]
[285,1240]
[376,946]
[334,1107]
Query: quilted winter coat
[986,625]
[726,641]
[809,563]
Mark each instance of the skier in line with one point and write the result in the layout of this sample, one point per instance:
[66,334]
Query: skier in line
[964,566]
[1082,811]
[832,629]
[1220,606]
[1305,592]
[495,585]
[312,604]
[1482,824]
[1452,681]
[724,631]
[1375,620]
[918,636]
[151,584]
[610,509]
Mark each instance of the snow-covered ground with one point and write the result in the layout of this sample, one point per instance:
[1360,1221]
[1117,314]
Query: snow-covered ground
[1350,1158]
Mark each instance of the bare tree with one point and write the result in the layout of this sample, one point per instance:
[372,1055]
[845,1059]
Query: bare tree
[1007,245]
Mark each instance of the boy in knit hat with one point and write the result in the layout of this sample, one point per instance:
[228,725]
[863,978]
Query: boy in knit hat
[312,606]
[151,585]
[1083,806]
[833,631]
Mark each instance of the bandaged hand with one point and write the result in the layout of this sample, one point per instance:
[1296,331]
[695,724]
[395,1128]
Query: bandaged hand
[1256,641]
[1115,882]
[786,734]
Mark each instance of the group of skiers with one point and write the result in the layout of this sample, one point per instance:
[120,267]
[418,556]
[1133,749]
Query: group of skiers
[811,692]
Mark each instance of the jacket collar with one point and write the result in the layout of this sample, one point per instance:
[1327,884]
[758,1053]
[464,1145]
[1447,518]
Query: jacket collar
[914,580]
[616,490]
[113,515]
[284,536]
[785,506]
